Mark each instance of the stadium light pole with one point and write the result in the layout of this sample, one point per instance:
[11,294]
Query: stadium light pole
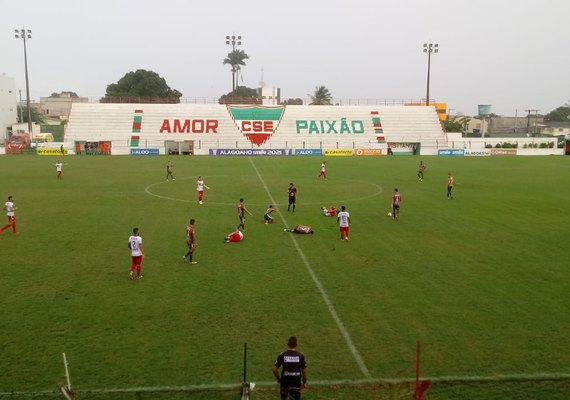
[233,41]
[429,48]
[26,34]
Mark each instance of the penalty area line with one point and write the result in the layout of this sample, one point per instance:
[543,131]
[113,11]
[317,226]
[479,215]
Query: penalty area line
[320,287]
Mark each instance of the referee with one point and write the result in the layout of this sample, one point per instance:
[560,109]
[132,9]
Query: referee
[292,191]
[293,373]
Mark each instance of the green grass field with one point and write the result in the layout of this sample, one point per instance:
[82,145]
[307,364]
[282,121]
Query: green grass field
[482,280]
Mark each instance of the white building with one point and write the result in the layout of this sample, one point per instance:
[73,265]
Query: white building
[59,107]
[270,96]
[8,104]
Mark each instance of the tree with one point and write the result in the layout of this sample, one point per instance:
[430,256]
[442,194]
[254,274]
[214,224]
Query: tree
[142,84]
[242,95]
[451,125]
[321,97]
[293,102]
[37,116]
[562,113]
[455,124]
[73,95]
[235,59]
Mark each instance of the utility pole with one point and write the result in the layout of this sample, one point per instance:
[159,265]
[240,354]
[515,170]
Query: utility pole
[528,119]
[26,34]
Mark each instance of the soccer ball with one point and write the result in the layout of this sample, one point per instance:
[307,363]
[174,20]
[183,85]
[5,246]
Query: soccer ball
[389,214]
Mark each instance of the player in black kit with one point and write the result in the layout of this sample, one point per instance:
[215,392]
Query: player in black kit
[294,371]
[292,196]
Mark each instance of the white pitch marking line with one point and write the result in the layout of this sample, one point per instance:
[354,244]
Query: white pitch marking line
[443,379]
[322,290]
[378,191]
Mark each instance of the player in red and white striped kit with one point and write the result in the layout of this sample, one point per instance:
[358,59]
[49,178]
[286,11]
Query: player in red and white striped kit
[235,236]
[11,214]
[323,172]
[200,185]
[137,253]
[343,220]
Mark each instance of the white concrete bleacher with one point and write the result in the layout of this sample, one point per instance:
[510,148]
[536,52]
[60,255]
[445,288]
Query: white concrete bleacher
[214,127]
[415,124]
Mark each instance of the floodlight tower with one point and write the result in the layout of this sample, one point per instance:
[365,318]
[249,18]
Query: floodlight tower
[26,34]
[233,41]
[429,48]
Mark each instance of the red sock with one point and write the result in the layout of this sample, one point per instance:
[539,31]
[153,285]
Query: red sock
[139,270]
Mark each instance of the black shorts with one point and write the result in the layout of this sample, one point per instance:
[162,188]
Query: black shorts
[290,393]
[292,199]
[267,217]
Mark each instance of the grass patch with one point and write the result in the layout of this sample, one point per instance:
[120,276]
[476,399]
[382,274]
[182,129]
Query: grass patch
[481,280]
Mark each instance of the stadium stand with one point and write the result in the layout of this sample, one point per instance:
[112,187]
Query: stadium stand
[129,126]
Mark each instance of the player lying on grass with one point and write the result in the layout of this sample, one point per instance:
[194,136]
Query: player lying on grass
[329,212]
[303,229]
[235,236]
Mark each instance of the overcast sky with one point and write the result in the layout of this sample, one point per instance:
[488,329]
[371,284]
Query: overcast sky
[514,55]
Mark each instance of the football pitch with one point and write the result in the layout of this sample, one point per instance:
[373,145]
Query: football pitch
[482,281]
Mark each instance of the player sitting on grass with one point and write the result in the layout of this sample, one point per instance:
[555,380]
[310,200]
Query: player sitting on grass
[235,236]
[329,212]
[303,229]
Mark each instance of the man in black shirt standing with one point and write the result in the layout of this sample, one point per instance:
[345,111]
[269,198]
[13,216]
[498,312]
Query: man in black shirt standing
[294,371]
[292,196]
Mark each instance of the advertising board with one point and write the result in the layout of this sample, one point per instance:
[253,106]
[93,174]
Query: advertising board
[338,152]
[145,152]
[503,152]
[368,152]
[250,152]
[45,151]
[451,152]
[478,153]
[308,152]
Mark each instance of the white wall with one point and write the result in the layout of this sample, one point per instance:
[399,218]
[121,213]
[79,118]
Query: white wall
[479,143]
[540,152]
[8,104]
[23,128]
